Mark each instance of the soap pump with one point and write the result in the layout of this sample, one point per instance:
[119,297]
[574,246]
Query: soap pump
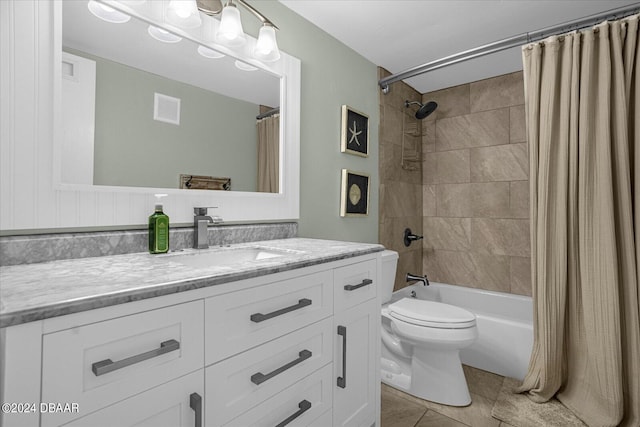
[158,229]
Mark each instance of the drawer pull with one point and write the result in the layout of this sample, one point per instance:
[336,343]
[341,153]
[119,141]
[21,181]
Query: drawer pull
[105,366]
[195,403]
[304,406]
[258,378]
[259,317]
[342,381]
[365,282]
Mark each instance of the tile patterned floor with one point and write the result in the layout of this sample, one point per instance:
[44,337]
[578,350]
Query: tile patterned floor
[403,410]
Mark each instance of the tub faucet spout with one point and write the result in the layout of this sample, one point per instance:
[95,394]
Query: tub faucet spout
[415,277]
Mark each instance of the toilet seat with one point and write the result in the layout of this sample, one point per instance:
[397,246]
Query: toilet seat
[431,314]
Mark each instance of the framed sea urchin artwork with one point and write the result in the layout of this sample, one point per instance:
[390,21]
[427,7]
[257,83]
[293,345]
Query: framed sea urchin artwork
[355,132]
[354,197]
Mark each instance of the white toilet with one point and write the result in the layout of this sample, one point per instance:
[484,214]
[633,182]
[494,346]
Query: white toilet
[421,342]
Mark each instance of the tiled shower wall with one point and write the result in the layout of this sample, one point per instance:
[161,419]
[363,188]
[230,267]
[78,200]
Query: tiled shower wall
[400,189]
[475,186]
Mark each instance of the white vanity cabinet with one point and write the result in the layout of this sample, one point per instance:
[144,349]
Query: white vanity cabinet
[295,348]
[357,349]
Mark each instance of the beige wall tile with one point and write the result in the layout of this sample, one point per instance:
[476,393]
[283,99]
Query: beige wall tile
[473,130]
[401,199]
[453,101]
[447,233]
[521,275]
[491,272]
[429,168]
[519,199]
[517,124]
[452,166]
[451,267]
[500,163]
[453,200]
[389,161]
[489,200]
[429,200]
[428,137]
[497,92]
[490,236]
[392,125]
[520,238]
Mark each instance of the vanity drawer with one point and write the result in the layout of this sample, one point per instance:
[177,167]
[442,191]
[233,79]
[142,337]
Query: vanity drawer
[308,400]
[168,405]
[244,381]
[354,283]
[240,320]
[101,363]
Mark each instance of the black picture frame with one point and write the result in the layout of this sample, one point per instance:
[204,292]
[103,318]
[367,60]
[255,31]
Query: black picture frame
[355,132]
[354,195]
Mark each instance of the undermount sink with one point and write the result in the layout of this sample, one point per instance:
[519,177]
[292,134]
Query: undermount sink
[226,256]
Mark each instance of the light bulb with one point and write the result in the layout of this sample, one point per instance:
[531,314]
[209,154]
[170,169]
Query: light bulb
[183,13]
[107,13]
[266,48]
[230,30]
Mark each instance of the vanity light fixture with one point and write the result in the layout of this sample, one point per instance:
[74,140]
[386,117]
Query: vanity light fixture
[183,13]
[163,35]
[107,13]
[230,32]
[267,46]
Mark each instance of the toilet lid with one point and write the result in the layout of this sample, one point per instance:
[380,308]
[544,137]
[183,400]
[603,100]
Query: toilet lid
[431,314]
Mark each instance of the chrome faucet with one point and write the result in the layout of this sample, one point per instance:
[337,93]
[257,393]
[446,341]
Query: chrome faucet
[414,277]
[200,226]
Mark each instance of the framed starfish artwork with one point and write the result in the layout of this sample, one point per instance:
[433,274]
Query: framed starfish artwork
[355,132]
[354,197]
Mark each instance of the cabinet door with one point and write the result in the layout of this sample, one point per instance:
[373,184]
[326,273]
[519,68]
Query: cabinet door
[355,353]
[178,403]
[102,363]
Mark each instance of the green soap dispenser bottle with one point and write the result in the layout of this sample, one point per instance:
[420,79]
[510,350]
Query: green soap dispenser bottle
[158,229]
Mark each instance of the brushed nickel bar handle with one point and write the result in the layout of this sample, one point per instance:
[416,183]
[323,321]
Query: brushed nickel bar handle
[107,365]
[195,403]
[342,381]
[304,406]
[259,317]
[258,378]
[365,282]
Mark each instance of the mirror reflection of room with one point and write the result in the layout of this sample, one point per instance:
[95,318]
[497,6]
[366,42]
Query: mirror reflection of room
[176,114]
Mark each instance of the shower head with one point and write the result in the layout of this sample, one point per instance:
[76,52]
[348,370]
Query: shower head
[424,110]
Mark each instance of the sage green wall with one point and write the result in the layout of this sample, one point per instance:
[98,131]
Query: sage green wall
[332,75]
[216,137]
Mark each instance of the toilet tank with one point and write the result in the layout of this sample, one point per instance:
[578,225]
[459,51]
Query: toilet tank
[388,276]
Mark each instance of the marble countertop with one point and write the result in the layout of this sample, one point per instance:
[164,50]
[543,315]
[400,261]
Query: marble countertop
[39,291]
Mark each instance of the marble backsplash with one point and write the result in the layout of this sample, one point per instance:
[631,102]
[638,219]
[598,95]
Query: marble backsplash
[31,249]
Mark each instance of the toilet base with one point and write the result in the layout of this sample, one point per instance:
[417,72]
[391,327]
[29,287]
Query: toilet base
[441,380]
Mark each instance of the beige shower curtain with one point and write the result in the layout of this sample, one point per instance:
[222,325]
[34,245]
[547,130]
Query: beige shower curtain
[269,153]
[583,123]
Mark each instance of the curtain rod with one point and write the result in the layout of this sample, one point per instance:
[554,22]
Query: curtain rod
[268,113]
[510,42]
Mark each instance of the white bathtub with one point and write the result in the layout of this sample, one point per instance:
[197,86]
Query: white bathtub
[505,325]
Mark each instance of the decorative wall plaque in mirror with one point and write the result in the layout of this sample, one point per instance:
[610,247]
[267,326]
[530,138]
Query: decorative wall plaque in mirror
[140,112]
